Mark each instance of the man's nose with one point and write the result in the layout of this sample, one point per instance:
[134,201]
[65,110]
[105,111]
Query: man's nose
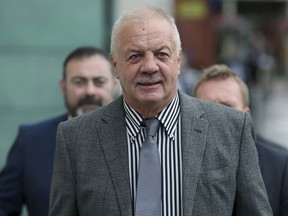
[91,88]
[149,64]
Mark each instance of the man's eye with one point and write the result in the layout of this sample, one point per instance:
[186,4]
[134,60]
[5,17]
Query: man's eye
[228,105]
[78,81]
[100,81]
[135,57]
[162,54]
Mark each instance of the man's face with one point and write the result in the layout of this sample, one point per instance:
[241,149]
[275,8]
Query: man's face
[226,92]
[89,84]
[147,65]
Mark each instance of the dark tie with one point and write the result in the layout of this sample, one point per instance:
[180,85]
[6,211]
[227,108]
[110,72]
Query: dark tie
[149,185]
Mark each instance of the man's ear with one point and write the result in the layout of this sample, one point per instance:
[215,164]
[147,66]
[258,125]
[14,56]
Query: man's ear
[114,65]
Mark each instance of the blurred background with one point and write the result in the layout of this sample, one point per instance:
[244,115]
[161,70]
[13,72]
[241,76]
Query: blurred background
[35,37]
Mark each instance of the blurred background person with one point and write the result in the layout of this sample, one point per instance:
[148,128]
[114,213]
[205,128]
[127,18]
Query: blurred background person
[220,84]
[88,83]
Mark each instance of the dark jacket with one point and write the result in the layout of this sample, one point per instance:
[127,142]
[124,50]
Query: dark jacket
[273,162]
[26,177]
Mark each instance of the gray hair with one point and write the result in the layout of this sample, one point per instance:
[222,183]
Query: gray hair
[139,15]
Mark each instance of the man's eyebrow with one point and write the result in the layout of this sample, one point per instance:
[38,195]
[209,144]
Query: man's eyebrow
[133,51]
[163,47]
[100,78]
[78,77]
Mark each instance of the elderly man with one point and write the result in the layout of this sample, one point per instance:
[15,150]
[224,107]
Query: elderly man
[155,151]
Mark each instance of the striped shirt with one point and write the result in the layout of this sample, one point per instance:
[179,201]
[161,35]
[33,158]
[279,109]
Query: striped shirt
[169,144]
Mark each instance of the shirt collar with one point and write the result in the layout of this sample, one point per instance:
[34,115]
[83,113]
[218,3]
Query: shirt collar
[169,117]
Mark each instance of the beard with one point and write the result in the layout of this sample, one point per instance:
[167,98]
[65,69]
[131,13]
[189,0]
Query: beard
[84,105]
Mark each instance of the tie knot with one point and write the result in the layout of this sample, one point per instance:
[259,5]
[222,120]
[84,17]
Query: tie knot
[152,126]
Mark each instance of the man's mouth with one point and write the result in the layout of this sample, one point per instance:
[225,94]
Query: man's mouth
[149,80]
[89,105]
[149,83]
[90,102]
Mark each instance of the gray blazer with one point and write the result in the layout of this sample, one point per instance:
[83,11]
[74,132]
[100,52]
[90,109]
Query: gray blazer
[220,167]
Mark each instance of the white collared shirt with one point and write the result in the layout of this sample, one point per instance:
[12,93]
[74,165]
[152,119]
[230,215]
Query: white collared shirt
[169,144]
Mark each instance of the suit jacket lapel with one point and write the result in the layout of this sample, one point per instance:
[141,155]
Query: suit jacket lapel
[114,144]
[194,133]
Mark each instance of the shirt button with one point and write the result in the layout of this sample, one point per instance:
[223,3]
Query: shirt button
[171,135]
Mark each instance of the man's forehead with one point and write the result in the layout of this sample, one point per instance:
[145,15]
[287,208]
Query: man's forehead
[154,42]
[140,48]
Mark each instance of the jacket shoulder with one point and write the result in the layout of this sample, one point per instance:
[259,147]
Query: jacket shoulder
[41,126]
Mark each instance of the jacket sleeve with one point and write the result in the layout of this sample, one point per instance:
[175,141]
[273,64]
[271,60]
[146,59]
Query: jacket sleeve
[11,191]
[251,195]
